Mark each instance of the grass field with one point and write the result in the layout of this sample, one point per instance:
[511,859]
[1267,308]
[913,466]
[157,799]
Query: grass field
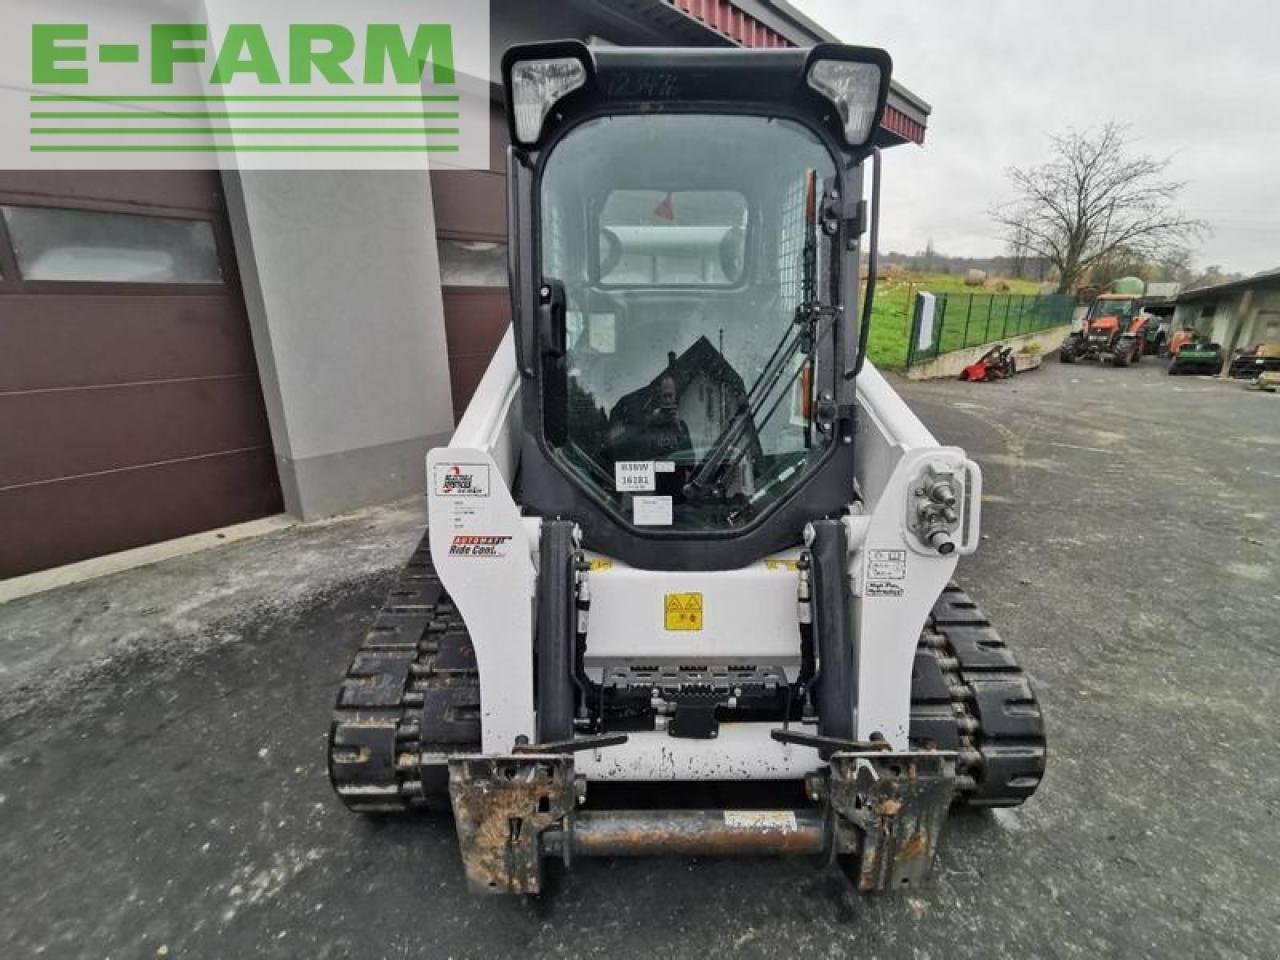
[891,313]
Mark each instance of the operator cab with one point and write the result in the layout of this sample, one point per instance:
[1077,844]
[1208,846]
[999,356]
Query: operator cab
[683,272]
[687,295]
[1123,309]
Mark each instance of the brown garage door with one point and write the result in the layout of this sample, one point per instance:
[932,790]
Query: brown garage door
[471,236]
[130,409]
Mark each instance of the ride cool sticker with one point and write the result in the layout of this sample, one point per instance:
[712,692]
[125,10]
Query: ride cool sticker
[473,545]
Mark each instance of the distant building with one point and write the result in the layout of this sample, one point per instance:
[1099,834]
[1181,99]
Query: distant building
[1236,314]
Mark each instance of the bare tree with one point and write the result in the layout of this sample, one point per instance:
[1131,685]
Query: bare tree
[1091,200]
[1212,275]
[1016,245]
[1121,262]
[1176,265]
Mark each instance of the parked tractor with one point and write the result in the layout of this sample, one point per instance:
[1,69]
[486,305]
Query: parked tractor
[684,532]
[1114,330]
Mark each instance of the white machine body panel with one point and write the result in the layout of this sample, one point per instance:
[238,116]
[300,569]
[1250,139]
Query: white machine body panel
[483,549]
[895,577]
[743,614]
[486,553]
[741,751]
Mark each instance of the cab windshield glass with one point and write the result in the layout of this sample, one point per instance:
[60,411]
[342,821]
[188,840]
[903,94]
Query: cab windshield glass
[685,396]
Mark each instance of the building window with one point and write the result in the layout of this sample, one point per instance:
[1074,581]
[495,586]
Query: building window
[85,246]
[1208,310]
[468,263]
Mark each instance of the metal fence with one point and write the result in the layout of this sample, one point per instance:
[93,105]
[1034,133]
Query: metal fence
[973,319]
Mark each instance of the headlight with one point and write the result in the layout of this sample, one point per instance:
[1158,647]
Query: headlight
[536,86]
[856,81]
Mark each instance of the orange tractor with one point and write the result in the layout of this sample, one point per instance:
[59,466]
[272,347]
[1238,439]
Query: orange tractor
[1115,329]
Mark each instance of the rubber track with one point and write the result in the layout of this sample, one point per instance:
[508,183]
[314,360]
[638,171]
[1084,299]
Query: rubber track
[414,672]
[969,695]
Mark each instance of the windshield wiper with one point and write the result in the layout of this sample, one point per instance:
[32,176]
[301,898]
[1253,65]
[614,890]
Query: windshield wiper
[727,440]
[735,458]
[801,336]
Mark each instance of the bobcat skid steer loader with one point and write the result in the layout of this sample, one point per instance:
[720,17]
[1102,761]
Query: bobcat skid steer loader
[684,533]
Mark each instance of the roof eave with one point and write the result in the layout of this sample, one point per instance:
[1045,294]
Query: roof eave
[1231,286]
[906,116]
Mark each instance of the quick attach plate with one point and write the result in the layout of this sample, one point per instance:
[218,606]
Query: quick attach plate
[689,698]
[890,810]
[501,806]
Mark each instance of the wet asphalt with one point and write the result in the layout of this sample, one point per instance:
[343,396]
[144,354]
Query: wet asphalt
[170,799]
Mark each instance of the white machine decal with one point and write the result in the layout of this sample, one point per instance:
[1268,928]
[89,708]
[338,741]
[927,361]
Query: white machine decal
[481,552]
[634,476]
[886,564]
[883,588]
[461,479]
[782,820]
[651,511]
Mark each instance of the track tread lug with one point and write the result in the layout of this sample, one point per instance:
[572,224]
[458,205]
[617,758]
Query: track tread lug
[993,695]
[417,652]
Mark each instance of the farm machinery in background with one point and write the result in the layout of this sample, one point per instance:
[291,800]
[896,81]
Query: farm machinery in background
[1192,352]
[1122,324]
[996,364]
[1254,361]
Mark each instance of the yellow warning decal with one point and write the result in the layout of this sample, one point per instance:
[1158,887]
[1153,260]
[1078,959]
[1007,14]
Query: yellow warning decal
[782,564]
[683,611]
[599,563]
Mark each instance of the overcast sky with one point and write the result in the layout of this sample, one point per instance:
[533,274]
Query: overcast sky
[1197,81]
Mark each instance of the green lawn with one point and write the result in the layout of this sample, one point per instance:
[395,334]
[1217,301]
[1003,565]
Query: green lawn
[891,314]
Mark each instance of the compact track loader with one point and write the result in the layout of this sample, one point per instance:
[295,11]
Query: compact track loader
[685,538]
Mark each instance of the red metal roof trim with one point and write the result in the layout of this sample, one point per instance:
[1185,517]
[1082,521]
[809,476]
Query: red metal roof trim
[895,121]
[727,20]
[745,30]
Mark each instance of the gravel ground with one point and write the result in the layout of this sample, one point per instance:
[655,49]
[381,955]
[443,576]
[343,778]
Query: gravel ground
[162,781]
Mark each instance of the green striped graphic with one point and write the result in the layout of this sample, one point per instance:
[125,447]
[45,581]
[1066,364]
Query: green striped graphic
[205,131]
[256,114]
[245,148]
[242,98]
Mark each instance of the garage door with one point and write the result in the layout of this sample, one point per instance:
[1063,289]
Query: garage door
[130,409]
[471,236]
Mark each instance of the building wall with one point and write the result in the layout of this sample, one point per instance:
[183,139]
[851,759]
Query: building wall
[343,292]
[1264,325]
[1210,317]
[1236,319]
[342,282]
